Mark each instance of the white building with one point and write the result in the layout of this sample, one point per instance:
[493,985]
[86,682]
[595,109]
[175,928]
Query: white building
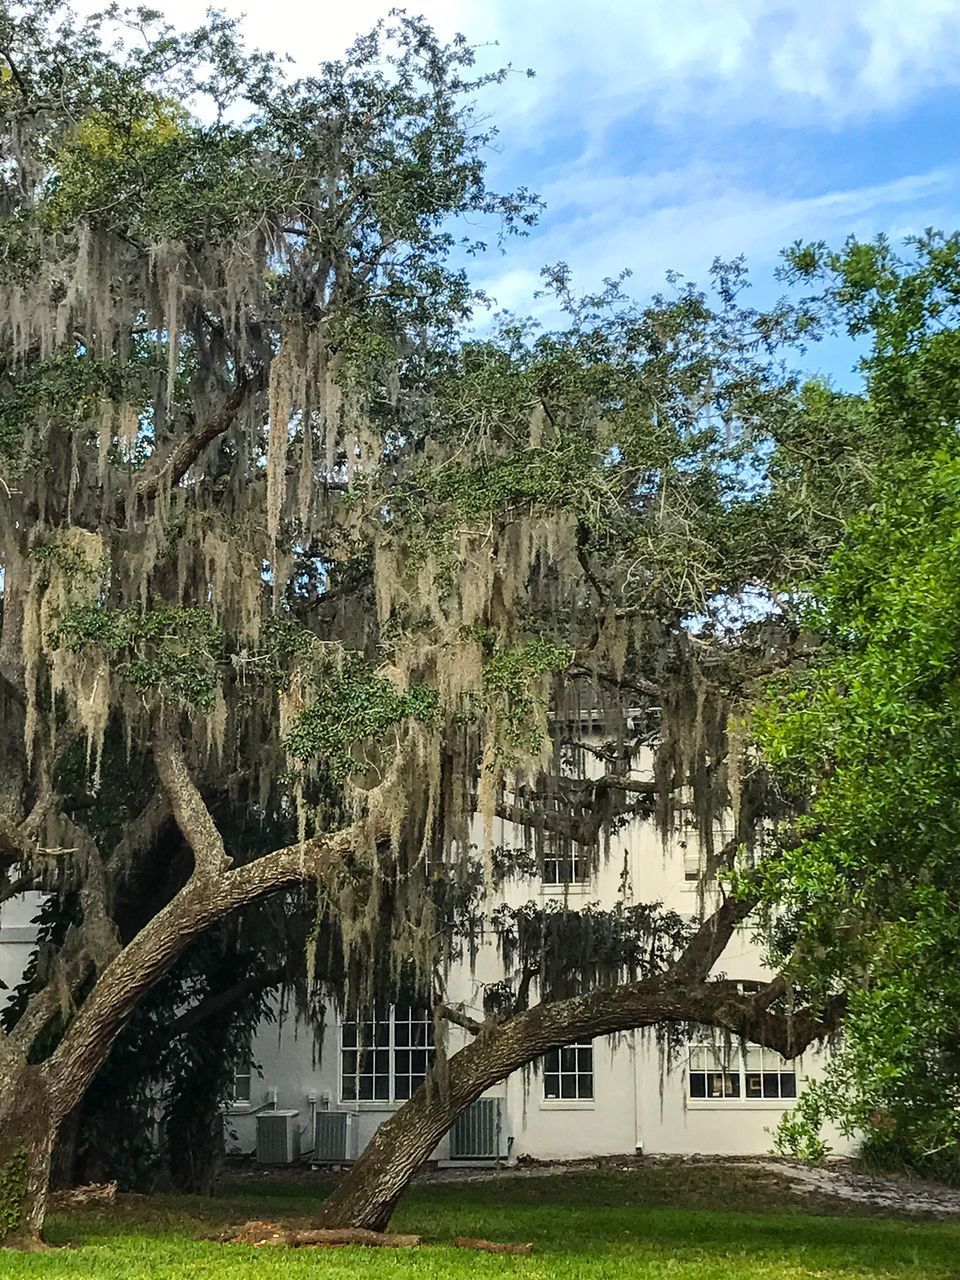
[618,1095]
[17,939]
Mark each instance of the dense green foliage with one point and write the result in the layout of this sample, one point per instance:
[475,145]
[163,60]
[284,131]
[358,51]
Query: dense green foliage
[869,734]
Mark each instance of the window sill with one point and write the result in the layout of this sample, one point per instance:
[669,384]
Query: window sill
[368,1104]
[580,889]
[568,1104]
[740,1104]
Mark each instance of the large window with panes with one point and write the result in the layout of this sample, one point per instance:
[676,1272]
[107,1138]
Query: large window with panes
[568,1073]
[385,1057]
[242,1086]
[746,1072]
[563,869]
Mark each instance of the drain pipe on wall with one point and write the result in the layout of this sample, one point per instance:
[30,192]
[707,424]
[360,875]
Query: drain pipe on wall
[627,882]
[637,1133]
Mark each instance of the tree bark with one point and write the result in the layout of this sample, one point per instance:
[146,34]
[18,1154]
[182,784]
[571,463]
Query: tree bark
[36,1099]
[27,1134]
[370,1191]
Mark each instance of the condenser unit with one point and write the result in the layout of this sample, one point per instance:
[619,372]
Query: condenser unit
[478,1133]
[335,1137]
[278,1137]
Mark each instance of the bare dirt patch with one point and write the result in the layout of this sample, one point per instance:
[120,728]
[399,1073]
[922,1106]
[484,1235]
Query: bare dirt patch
[886,1192]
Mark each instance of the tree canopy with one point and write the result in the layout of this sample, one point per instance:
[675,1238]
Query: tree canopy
[296,537]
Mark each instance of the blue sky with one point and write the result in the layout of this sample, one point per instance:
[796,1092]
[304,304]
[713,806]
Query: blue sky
[663,133]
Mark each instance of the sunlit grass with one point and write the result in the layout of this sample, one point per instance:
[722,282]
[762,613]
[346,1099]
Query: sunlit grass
[677,1222]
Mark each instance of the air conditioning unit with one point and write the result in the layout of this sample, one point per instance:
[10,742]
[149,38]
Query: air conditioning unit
[335,1137]
[278,1137]
[478,1133]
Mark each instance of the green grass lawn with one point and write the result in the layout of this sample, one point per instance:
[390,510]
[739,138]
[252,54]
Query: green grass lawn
[675,1222]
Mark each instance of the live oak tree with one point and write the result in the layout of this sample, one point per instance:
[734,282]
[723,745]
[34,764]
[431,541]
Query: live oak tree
[163,280]
[282,536]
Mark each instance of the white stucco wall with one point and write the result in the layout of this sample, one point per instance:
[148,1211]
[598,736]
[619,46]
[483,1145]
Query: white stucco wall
[17,937]
[639,1100]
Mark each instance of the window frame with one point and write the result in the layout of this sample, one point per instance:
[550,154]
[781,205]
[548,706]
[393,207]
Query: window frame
[693,855]
[236,1102]
[579,871]
[746,1060]
[575,1101]
[391,1047]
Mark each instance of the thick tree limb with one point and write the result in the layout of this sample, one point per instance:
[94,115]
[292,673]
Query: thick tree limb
[15,72]
[192,815]
[367,1196]
[709,942]
[522,998]
[635,684]
[15,845]
[223,1002]
[173,467]
[580,830]
[76,966]
[139,836]
[23,884]
[585,827]
[202,901]
[459,1018]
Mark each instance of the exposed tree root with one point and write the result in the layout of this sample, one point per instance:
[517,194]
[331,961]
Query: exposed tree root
[491,1246]
[274,1233]
[259,1233]
[76,1197]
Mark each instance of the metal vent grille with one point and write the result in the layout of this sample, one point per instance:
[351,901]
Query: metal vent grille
[476,1134]
[278,1137]
[332,1137]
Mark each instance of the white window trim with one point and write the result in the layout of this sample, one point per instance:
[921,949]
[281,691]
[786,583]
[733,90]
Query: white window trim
[570,889]
[577,860]
[242,1105]
[392,1103]
[570,1104]
[740,1102]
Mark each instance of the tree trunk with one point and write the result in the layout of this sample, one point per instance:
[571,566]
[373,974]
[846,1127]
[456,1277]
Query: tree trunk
[37,1098]
[28,1129]
[66,1156]
[369,1193]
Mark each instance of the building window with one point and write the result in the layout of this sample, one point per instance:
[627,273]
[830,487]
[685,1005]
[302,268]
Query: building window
[568,1073]
[241,1086]
[718,1072]
[691,861]
[385,1059]
[695,860]
[564,869]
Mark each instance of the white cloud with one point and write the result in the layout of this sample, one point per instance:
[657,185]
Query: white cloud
[682,220]
[799,60]
[609,69]
[803,59]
